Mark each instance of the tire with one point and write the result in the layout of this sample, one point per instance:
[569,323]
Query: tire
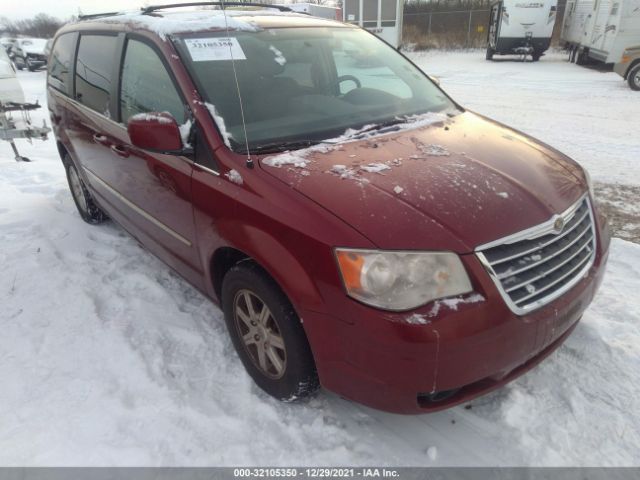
[86,205]
[19,64]
[276,331]
[633,78]
[490,53]
[535,56]
[30,66]
[582,57]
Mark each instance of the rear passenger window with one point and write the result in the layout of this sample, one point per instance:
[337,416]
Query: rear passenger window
[60,63]
[146,86]
[96,57]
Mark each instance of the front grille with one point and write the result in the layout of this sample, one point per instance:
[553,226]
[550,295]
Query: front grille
[536,266]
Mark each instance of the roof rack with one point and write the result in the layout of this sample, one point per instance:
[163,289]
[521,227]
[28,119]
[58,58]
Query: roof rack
[153,8]
[97,15]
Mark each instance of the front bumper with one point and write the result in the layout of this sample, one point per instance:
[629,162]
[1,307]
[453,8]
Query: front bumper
[621,69]
[36,61]
[379,359]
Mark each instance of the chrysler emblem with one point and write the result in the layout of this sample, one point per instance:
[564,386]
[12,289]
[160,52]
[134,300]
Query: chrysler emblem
[558,225]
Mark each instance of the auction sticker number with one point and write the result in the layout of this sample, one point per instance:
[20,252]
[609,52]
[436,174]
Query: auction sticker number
[212,49]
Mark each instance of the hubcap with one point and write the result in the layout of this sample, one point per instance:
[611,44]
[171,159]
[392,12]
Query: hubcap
[76,189]
[636,79]
[260,334]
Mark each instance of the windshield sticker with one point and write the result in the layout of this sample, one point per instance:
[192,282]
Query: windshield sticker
[212,49]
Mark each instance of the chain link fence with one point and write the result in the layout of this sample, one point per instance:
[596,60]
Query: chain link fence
[455,29]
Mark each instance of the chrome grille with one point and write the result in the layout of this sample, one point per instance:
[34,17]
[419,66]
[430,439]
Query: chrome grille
[536,266]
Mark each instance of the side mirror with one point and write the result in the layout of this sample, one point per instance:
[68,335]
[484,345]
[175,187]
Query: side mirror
[435,80]
[155,131]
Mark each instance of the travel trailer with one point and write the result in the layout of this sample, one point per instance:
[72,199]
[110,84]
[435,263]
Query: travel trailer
[518,27]
[601,30]
[10,90]
[322,11]
[382,17]
[577,15]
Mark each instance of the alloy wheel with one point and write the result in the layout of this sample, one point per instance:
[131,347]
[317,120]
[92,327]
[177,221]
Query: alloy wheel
[260,334]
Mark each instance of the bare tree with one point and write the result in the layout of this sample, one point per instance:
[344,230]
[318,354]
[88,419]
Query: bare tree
[41,26]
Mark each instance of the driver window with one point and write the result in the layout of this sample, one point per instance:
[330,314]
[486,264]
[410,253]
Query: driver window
[146,86]
[357,69]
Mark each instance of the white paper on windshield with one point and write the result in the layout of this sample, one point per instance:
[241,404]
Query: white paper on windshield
[216,48]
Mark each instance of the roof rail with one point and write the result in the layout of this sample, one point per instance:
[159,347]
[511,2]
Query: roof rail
[97,15]
[153,8]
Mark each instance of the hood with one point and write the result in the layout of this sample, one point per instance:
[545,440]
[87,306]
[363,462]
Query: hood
[452,185]
[37,47]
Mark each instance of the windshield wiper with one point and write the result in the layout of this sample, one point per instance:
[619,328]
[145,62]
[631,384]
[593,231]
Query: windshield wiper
[277,147]
[378,127]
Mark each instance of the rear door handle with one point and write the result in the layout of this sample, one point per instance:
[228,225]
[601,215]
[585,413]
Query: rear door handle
[101,139]
[120,150]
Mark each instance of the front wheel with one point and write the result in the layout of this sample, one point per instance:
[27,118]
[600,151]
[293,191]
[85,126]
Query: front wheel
[633,78]
[86,205]
[267,334]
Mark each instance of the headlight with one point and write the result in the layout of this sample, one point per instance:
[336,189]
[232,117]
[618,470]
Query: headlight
[399,281]
[587,176]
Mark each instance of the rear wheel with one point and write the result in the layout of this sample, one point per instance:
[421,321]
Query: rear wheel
[536,56]
[86,205]
[267,334]
[633,77]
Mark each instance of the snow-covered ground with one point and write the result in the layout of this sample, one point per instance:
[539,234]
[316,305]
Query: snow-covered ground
[590,115]
[108,358]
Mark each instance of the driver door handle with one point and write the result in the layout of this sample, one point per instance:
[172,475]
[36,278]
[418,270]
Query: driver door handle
[101,139]
[120,150]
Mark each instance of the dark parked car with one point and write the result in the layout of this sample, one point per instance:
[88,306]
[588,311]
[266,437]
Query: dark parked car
[359,229]
[29,53]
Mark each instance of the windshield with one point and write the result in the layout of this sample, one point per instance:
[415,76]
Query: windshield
[305,84]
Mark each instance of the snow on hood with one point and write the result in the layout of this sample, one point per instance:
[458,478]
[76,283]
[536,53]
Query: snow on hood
[37,46]
[451,185]
[192,21]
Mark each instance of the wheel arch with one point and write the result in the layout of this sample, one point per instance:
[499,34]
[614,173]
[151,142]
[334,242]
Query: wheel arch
[633,64]
[63,152]
[275,259]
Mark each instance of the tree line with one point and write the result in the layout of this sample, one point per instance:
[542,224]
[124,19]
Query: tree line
[40,26]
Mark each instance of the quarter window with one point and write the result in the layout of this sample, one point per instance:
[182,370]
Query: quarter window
[146,85]
[60,63]
[96,56]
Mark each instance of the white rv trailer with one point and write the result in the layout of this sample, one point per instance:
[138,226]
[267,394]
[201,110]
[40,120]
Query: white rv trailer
[577,14]
[382,17]
[322,11]
[10,89]
[609,28]
[521,27]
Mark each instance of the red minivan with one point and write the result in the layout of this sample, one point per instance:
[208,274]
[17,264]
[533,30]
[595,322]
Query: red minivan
[359,229]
